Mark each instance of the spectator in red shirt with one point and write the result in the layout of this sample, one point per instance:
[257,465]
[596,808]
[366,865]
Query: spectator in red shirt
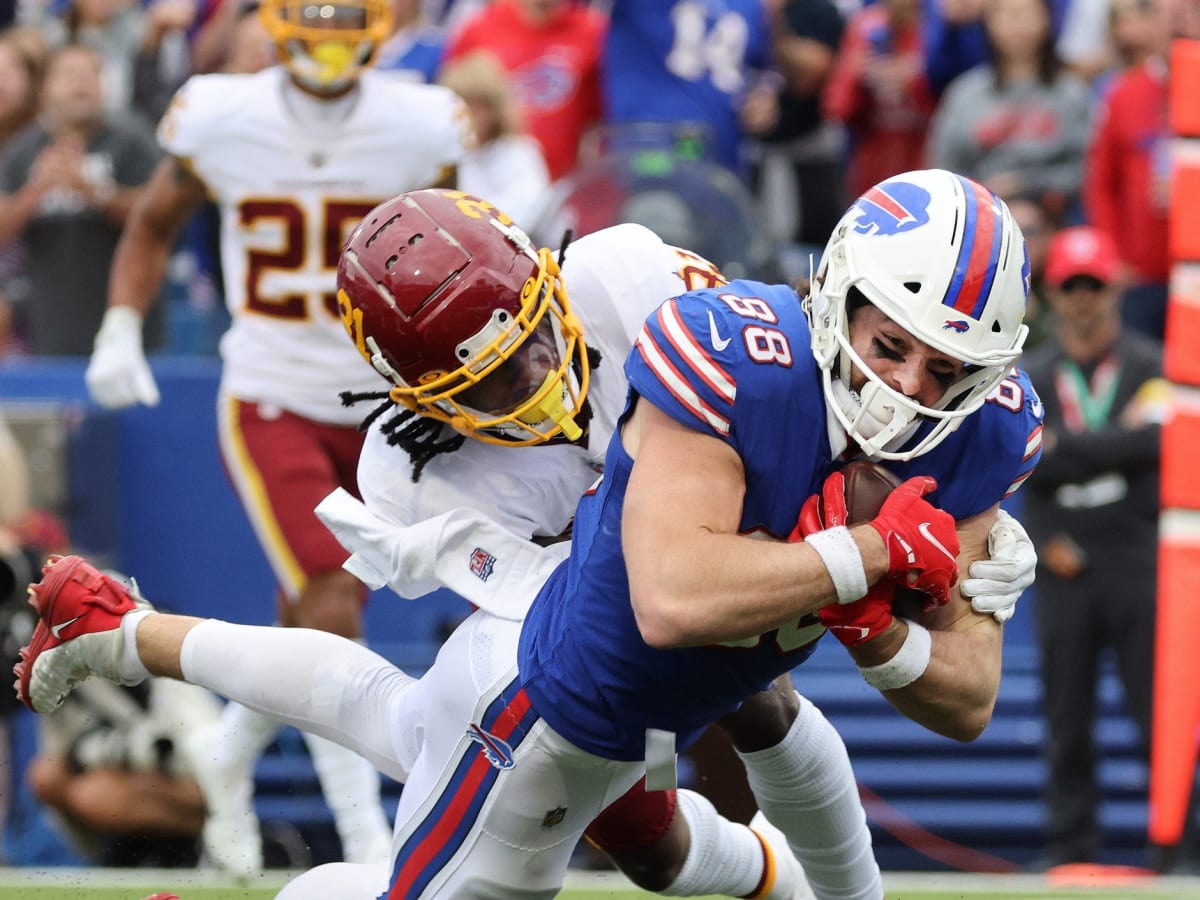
[1127,175]
[879,90]
[552,51]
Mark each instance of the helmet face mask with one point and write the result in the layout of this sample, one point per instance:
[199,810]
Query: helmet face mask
[942,258]
[325,45]
[449,301]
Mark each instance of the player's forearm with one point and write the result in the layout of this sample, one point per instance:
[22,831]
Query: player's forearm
[139,266]
[957,692]
[713,588]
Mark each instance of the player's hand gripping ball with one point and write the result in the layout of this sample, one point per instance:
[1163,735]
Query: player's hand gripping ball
[854,495]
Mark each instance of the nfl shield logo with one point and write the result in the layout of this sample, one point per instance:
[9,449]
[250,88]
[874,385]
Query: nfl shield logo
[482,563]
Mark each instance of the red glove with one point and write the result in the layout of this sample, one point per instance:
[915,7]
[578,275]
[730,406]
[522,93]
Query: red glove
[850,623]
[824,510]
[853,623]
[921,541]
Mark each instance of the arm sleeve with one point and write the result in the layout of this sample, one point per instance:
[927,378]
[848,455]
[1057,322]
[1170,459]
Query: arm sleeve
[460,549]
[675,365]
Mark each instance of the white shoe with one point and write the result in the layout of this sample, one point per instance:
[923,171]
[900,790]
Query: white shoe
[789,882]
[232,838]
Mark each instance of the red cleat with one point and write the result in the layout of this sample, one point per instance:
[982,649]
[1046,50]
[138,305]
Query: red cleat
[78,633]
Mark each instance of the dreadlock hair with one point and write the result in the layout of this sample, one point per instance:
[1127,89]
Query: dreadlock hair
[415,435]
[418,436]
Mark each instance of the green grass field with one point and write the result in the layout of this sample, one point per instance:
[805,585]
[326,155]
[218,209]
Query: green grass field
[95,884]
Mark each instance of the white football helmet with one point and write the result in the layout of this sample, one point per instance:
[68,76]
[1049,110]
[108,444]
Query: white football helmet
[941,256]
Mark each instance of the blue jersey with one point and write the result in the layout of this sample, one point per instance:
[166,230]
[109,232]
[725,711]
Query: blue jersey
[414,53]
[733,362]
[684,61]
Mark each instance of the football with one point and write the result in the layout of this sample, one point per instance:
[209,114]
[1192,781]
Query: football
[867,486]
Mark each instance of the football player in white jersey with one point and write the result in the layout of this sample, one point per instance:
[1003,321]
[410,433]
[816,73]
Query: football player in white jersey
[293,156]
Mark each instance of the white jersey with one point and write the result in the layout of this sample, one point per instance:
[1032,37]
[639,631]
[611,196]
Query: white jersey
[289,194]
[615,278]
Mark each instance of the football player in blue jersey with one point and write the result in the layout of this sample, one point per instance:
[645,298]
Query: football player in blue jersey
[669,612]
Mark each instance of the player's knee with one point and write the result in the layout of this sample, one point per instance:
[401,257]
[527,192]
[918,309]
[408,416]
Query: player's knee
[643,836]
[655,867]
[331,601]
[764,719]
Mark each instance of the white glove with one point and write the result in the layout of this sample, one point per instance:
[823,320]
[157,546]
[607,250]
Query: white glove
[461,549]
[117,374]
[996,583]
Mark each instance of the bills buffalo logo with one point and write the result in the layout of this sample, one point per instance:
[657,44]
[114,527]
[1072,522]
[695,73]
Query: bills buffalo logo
[957,325]
[497,751]
[482,564]
[891,208]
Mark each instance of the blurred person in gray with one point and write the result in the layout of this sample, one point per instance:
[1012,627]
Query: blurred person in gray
[66,187]
[1019,123]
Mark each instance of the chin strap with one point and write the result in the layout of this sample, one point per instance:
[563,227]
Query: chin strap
[868,426]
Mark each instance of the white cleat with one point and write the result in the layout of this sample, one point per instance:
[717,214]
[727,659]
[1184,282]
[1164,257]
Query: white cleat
[232,838]
[787,880]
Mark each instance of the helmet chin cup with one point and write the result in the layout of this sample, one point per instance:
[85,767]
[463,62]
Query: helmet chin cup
[547,403]
[874,419]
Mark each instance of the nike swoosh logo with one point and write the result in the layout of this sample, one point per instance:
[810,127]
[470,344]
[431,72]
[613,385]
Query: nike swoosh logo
[719,343]
[862,632]
[928,535]
[56,630]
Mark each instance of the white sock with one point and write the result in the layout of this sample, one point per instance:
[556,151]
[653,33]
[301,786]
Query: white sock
[723,858]
[131,669]
[313,680]
[244,736]
[806,788]
[351,788]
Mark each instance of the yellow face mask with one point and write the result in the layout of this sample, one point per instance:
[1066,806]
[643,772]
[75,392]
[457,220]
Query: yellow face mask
[333,59]
[329,48]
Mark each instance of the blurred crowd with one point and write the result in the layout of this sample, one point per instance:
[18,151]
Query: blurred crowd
[591,113]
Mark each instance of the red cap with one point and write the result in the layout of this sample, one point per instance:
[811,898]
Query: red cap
[1082,250]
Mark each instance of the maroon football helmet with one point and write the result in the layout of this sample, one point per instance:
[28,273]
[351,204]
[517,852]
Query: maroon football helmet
[452,304]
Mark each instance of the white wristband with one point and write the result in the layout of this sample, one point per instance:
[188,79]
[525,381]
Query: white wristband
[842,558]
[909,663]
